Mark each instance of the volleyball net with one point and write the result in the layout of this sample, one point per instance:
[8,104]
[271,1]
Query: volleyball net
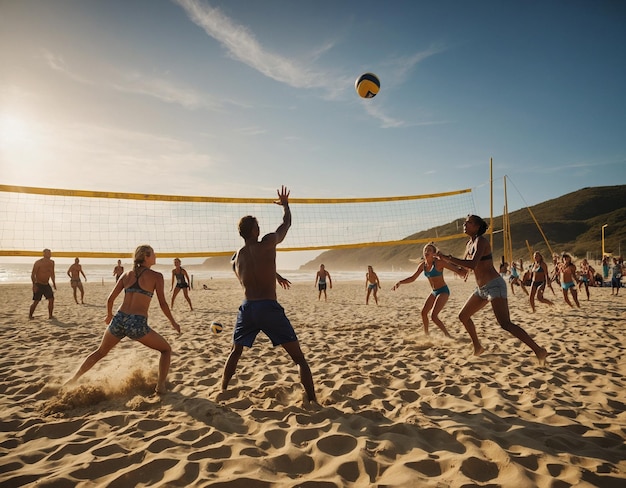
[111,225]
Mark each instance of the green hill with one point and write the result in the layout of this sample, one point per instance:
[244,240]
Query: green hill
[571,223]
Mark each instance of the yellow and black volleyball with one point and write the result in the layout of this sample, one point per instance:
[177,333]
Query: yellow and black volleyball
[367,85]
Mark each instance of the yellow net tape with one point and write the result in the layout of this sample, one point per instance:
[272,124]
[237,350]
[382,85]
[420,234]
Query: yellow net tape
[111,224]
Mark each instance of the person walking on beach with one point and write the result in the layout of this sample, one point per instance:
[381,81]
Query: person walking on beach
[540,274]
[254,265]
[587,276]
[320,281]
[567,275]
[181,278]
[491,287]
[74,272]
[437,299]
[372,284]
[118,270]
[41,275]
[131,319]
[515,279]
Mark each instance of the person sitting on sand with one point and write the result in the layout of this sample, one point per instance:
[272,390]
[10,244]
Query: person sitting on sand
[74,272]
[254,265]
[436,300]
[567,278]
[491,287]
[42,274]
[131,319]
[372,284]
[540,274]
[181,278]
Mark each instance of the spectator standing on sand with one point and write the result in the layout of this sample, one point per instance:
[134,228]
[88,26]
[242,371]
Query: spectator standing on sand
[74,272]
[616,279]
[605,267]
[180,278]
[118,270]
[320,281]
[372,284]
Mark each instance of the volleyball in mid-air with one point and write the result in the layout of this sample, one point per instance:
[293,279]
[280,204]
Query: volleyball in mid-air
[216,327]
[367,85]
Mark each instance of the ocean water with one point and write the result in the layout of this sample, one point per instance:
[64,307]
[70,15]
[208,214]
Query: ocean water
[101,273]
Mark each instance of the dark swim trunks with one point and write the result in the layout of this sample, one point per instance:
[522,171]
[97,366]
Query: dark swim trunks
[127,325]
[268,316]
[42,291]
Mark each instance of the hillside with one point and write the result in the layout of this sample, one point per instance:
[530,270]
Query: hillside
[571,223]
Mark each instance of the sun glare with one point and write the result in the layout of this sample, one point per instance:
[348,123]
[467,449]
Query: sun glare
[13,131]
[20,148]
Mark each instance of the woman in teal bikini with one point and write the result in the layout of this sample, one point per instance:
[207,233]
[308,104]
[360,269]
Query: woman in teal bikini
[131,319]
[436,300]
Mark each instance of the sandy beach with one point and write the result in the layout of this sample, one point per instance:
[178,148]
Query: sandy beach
[397,408]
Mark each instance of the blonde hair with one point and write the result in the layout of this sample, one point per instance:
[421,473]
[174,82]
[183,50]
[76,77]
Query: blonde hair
[141,253]
[430,244]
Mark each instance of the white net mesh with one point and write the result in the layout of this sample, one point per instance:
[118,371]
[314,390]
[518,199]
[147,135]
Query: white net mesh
[105,224]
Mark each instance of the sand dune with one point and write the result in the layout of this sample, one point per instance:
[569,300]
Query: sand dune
[398,408]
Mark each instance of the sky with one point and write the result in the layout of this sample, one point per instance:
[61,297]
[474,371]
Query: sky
[235,98]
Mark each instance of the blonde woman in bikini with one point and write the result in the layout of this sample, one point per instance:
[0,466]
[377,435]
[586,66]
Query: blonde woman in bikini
[131,319]
[437,299]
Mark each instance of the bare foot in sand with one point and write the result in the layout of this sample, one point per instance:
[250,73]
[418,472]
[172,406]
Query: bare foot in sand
[542,354]
[223,395]
[479,350]
[160,389]
[314,406]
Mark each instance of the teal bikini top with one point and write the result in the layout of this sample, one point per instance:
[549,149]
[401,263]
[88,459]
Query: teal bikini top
[433,271]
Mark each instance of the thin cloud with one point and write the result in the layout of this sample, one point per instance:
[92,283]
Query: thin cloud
[584,166]
[243,46]
[386,121]
[165,91]
[135,82]
[398,69]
